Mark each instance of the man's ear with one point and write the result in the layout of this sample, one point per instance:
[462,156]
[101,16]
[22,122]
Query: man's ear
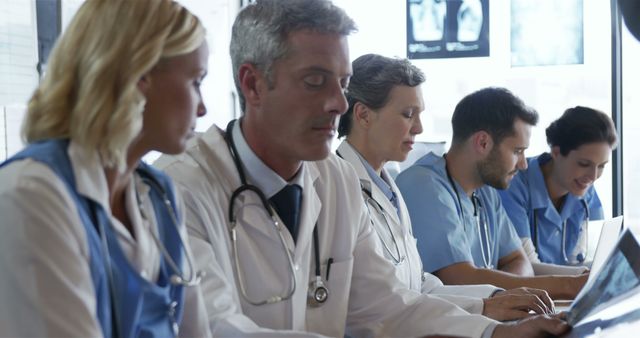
[482,142]
[251,82]
[362,115]
[555,152]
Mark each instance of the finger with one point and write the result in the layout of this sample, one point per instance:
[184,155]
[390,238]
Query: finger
[539,306]
[523,304]
[551,325]
[562,315]
[530,303]
[544,297]
[547,306]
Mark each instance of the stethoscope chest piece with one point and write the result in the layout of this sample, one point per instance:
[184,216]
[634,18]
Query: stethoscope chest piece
[318,293]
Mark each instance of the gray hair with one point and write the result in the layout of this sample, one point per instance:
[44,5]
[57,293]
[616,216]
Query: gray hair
[261,29]
[374,76]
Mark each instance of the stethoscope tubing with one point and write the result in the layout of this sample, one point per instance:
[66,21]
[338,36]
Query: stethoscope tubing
[378,208]
[536,237]
[485,244]
[178,277]
[244,186]
[369,200]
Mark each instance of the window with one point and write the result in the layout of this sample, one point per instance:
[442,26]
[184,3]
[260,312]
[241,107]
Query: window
[631,126]
[18,74]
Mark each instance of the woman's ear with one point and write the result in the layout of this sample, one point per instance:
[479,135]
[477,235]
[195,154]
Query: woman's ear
[144,83]
[362,115]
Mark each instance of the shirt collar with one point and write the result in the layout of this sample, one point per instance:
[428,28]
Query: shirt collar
[91,182]
[89,174]
[537,187]
[379,181]
[259,173]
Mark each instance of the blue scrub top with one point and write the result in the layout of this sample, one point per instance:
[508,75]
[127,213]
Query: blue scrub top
[444,238]
[528,192]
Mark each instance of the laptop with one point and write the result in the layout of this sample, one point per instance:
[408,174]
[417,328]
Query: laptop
[617,275]
[611,229]
[609,234]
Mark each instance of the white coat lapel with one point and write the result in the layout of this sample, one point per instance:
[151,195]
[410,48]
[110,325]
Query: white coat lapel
[347,152]
[311,206]
[404,212]
[248,208]
[386,204]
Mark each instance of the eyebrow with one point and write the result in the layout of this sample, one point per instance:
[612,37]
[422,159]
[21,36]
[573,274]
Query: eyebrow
[589,161]
[323,70]
[418,109]
[200,72]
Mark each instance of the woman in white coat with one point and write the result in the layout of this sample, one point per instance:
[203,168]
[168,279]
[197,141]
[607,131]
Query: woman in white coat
[385,102]
[93,241]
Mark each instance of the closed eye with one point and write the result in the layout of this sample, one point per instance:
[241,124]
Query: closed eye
[314,80]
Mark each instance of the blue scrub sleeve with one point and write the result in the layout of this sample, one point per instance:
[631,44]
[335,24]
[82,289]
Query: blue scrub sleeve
[434,217]
[515,201]
[596,212]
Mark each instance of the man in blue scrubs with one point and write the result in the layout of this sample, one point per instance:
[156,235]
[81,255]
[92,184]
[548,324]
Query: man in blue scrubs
[464,235]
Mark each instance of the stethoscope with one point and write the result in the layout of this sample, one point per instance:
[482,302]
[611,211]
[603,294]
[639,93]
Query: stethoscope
[581,256]
[318,291]
[177,276]
[398,258]
[481,222]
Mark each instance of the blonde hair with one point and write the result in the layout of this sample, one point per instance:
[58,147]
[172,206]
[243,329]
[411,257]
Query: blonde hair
[89,93]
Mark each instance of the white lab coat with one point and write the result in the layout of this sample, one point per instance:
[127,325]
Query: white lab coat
[364,293]
[46,287]
[469,297]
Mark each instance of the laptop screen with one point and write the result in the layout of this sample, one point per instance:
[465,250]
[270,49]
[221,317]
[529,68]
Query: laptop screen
[607,241]
[619,274]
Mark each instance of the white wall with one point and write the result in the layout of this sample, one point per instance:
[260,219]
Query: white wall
[549,89]
[382,30]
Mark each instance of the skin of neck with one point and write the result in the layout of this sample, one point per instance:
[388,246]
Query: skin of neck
[273,157]
[118,180]
[462,166]
[361,143]
[556,192]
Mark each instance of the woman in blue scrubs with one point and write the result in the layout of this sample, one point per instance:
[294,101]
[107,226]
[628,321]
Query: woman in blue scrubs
[551,203]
